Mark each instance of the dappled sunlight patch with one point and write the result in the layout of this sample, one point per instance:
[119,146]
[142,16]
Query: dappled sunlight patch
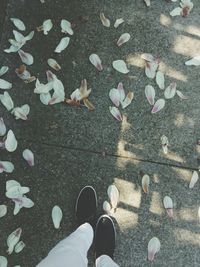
[129,195]
[121,151]
[181,120]
[174,156]
[126,219]
[135,60]
[156,206]
[188,214]
[183,174]
[172,73]
[156,178]
[165,20]
[183,44]
[186,236]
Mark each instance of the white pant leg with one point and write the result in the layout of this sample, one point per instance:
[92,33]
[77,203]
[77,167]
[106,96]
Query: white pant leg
[72,251]
[105,261]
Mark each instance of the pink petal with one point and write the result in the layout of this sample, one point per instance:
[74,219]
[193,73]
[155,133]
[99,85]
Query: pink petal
[151,68]
[29,157]
[120,88]
[115,112]
[96,61]
[160,103]
[125,37]
[170,91]
[115,97]
[181,95]
[150,94]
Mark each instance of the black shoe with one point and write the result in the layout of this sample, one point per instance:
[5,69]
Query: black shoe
[86,206]
[105,237]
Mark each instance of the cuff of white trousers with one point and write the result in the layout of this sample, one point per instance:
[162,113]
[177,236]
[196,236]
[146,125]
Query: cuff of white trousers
[105,261]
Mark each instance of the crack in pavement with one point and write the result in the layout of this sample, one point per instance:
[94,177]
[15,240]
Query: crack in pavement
[104,154]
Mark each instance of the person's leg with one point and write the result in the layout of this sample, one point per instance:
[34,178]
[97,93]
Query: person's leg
[72,251]
[105,242]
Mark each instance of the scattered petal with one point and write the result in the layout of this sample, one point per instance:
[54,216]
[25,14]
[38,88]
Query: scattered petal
[114,95]
[121,91]
[194,179]
[107,207]
[151,68]
[181,95]
[19,24]
[113,195]
[19,247]
[187,6]
[153,248]
[145,183]
[176,11]
[3,70]
[26,58]
[165,144]
[147,2]
[125,37]
[64,42]
[96,61]
[5,85]
[13,239]
[148,57]
[6,166]
[150,94]
[29,157]
[3,261]
[160,103]
[45,98]
[53,64]
[104,20]
[118,22]
[46,26]
[21,112]
[6,100]
[120,66]
[195,61]
[160,80]
[170,91]
[57,216]
[3,212]
[2,127]
[29,36]
[115,112]
[11,142]
[168,204]
[88,104]
[127,101]
[66,27]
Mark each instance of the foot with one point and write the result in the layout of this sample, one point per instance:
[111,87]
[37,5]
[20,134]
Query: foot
[105,237]
[86,206]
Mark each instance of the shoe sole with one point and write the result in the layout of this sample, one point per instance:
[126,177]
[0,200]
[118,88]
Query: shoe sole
[108,217]
[87,186]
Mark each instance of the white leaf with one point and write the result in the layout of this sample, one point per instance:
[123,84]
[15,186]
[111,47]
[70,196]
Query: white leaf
[11,142]
[181,95]
[168,204]
[5,85]
[150,94]
[194,179]
[165,144]
[3,261]
[118,22]
[160,103]
[153,248]
[53,64]
[147,2]
[3,70]
[150,69]
[66,27]
[56,216]
[6,100]
[115,97]
[195,61]
[46,26]
[160,80]
[13,239]
[19,247]
[2,127]
[45,98]
[105,21]
[26,58]
[170,91]
[115,112]
[29,157]
[120,66]
[176,11]
[96,61]
[6,166]
[3,212]
[113,195]
[145,183]
[64,42]
[127,101]
[19,24]
[125,37]
[107,207]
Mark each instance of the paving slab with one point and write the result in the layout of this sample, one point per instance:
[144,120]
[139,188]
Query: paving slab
[56,179]
[173,40]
